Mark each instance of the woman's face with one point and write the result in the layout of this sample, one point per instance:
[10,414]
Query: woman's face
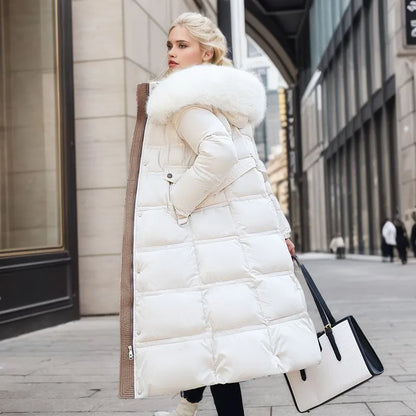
[184,51]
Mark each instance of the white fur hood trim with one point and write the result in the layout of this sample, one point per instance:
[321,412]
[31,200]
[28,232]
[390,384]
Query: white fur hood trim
[226,88]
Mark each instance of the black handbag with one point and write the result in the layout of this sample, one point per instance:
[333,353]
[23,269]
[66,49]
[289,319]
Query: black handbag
[348,359]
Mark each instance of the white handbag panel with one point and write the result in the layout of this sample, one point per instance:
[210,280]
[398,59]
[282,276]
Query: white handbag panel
[331,377]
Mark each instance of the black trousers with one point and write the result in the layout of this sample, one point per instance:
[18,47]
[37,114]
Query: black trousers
[402,250]
[389,251]
[341,253]
[227,398]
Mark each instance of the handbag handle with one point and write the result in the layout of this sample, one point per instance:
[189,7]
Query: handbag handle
[326,315]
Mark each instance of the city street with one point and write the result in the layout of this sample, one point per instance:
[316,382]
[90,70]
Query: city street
[72,369]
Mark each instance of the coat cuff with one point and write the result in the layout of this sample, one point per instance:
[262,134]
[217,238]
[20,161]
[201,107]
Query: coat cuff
[182,220]
[181,217]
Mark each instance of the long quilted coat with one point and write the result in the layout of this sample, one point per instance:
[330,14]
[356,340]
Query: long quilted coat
[208,290]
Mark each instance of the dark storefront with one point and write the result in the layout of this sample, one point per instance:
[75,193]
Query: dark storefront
[38,238]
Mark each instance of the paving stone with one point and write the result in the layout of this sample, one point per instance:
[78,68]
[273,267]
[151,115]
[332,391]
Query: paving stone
[284,411]
[256,411]
[30,405]
[392,408]
[404,378]
[411,404]
[351,409]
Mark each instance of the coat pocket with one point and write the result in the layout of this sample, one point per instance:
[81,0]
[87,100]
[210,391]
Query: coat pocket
[172,175]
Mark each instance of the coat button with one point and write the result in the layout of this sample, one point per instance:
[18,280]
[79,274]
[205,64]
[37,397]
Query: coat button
[169,175]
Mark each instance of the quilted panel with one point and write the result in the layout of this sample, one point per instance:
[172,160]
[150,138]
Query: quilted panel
[185,309]
[267,253]
[170,268]
[281,296]
[213,222]
[292,353]
[154,191]
[160,369]
[254,215]
[235,355]
[233,306]
[221,260]
[158,227]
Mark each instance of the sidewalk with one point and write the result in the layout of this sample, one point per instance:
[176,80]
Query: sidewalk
[349,256]
[72,369]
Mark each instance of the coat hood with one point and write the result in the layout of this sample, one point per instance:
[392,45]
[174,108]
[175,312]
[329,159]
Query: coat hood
[225,88]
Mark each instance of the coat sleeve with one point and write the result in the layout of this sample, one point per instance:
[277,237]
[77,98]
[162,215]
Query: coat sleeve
[216,155]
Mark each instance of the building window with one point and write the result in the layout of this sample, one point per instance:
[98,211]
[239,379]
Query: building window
[374,178]
[253,50]
[331,109]
[360,44]
[389,16]
[344,227]
[30,179]
[324,112]
[340,89]
[351,102]
[324,18]
[363,197]
[375,51]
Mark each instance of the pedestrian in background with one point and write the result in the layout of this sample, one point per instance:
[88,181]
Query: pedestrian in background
[413,234]
[402,241]
[388,233]
[214,297]
[337,246]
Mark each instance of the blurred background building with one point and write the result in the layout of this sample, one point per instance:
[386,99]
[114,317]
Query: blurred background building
[338,138]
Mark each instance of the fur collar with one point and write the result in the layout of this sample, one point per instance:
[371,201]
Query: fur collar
[225,88]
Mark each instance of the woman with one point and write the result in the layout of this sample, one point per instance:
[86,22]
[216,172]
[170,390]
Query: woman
[209,296]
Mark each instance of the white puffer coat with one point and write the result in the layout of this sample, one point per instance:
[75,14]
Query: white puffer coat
[215,296]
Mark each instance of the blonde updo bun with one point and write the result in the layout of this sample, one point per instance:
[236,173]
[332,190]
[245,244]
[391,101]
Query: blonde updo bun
[203,30]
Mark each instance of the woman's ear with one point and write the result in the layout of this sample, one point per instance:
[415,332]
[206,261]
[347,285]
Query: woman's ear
[208,54]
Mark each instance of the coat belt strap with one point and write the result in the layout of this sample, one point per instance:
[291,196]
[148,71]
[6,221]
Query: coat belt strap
[239,169]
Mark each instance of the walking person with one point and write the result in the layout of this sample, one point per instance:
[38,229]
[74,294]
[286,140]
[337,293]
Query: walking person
[413,234]
[402,241]
[208,291]
[388,233]
[337,246]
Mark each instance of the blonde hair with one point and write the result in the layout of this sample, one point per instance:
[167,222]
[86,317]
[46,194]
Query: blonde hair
[207,34]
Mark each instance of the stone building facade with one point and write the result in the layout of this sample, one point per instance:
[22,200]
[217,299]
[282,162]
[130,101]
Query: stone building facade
[358,139]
